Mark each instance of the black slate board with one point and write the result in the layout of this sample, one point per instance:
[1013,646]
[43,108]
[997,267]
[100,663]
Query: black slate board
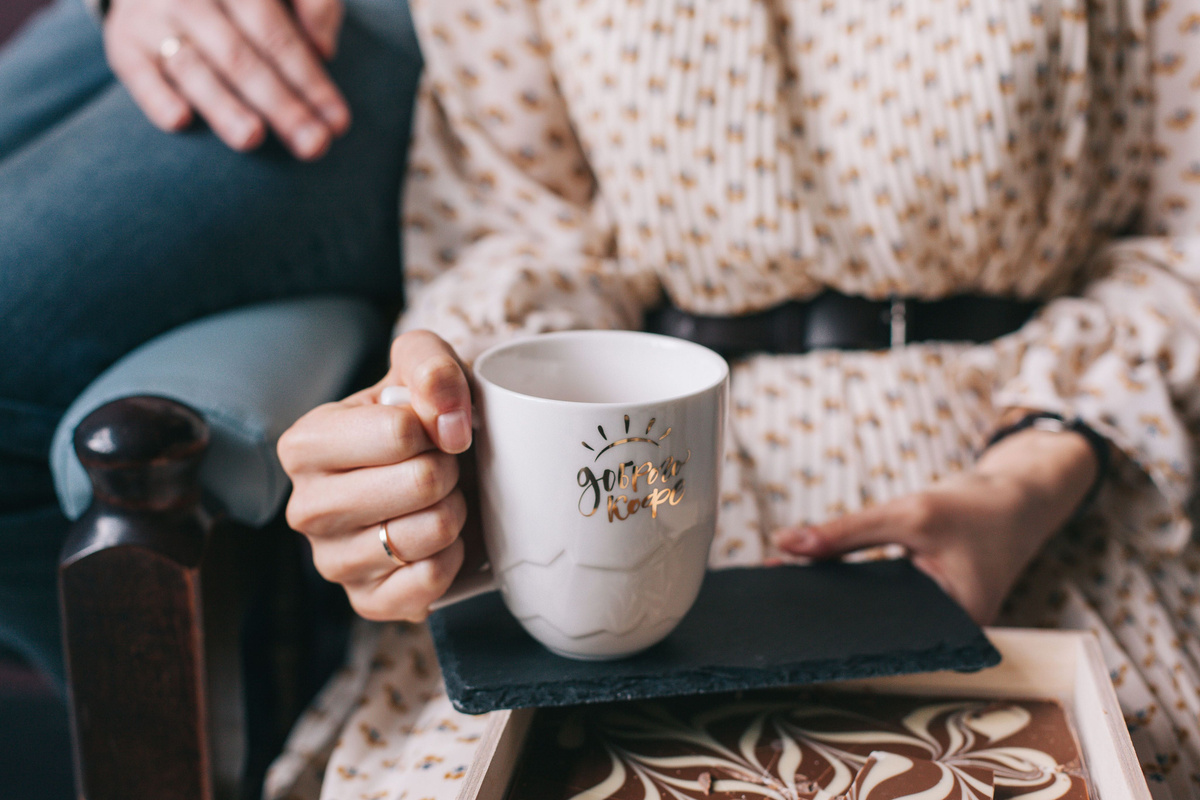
[749,629]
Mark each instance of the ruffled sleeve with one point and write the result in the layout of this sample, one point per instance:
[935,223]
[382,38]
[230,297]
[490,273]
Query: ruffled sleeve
[504,235]
[1124,355]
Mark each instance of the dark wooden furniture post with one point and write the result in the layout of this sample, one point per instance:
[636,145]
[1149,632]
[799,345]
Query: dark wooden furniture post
[155,701]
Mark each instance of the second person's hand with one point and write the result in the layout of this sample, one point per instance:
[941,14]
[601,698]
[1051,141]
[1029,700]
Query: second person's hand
[245,66]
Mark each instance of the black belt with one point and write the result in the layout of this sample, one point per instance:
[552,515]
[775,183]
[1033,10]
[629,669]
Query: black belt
[837,321]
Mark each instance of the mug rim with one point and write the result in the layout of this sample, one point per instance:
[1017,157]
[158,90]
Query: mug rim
[673,341]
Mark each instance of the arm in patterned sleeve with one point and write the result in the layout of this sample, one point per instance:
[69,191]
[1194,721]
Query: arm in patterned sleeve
[1125,355]
[504,234]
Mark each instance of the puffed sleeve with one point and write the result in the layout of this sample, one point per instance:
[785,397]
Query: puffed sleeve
[1124,355]
[504,233]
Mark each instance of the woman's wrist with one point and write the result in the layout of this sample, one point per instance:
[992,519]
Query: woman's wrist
[1058,470]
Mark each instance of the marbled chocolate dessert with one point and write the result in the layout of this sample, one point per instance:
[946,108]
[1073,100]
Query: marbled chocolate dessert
[802,745]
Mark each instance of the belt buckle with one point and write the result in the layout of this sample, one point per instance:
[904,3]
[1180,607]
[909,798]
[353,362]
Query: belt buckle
[898,322]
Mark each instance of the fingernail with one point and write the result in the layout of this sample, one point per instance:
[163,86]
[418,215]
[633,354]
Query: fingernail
[310,140]
[454,431]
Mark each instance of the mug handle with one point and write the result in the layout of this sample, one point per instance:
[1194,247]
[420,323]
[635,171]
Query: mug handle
[464,586]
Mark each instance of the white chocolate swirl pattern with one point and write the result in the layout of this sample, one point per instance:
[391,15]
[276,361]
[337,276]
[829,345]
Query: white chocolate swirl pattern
[801,746]
[887,776]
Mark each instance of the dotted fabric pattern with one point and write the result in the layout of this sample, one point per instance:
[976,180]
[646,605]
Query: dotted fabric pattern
[577,160]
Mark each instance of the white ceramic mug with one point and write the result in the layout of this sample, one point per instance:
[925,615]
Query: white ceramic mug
[599,457]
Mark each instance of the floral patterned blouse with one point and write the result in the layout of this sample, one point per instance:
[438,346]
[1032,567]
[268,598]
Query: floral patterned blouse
[577,161]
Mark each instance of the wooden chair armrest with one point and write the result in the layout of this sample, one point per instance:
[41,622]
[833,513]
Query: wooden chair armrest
[150,588]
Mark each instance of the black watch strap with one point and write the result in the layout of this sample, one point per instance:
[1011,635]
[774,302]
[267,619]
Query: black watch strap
[1049,421]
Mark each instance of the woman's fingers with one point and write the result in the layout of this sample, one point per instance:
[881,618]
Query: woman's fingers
[322,21]
[360,558]
[162,104]
[906,521]
[966,533]
[351,435]
[245,66]
[407,592]
[231,119]
[251,76]
[437,381]
[275,33]
[336,503]
[421,534]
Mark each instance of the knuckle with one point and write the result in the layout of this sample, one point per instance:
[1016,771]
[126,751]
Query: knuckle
[422,478]
[329,564]
[446,523]
[306,513]
[299,515]
[438,378]
[404,429]
[293,518]
[418,599]
[295,446]
[256,18]
[436,573]
[399,344]
[447,473]
[185,58]
[238,60]
[288,448]
[300,446]
[278,40]
[411,339]
[432,476]
[369,606]
[185,65]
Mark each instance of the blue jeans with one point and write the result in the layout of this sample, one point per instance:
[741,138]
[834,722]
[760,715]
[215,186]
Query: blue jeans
[112,232]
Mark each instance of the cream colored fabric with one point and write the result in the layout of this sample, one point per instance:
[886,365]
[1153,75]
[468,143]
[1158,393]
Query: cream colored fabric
[576,160]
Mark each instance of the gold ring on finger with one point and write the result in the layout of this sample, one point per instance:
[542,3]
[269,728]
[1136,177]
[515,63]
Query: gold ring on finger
[170,46]
[388,547]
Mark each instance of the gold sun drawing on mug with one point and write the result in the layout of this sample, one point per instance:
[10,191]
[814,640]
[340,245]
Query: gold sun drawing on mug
[628,439]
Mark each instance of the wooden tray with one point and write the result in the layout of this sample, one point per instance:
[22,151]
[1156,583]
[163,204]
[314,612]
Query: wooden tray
[1060,665]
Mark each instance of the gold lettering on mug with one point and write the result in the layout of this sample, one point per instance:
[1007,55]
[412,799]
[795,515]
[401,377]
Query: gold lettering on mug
[621,507]
[633,485]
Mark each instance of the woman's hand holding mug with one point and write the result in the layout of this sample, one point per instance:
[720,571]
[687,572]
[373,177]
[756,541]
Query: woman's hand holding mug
[245,66]
[357,464]
[599,459]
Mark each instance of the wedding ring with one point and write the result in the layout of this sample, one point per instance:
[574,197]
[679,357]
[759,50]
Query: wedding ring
[169,47]
[388,547]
